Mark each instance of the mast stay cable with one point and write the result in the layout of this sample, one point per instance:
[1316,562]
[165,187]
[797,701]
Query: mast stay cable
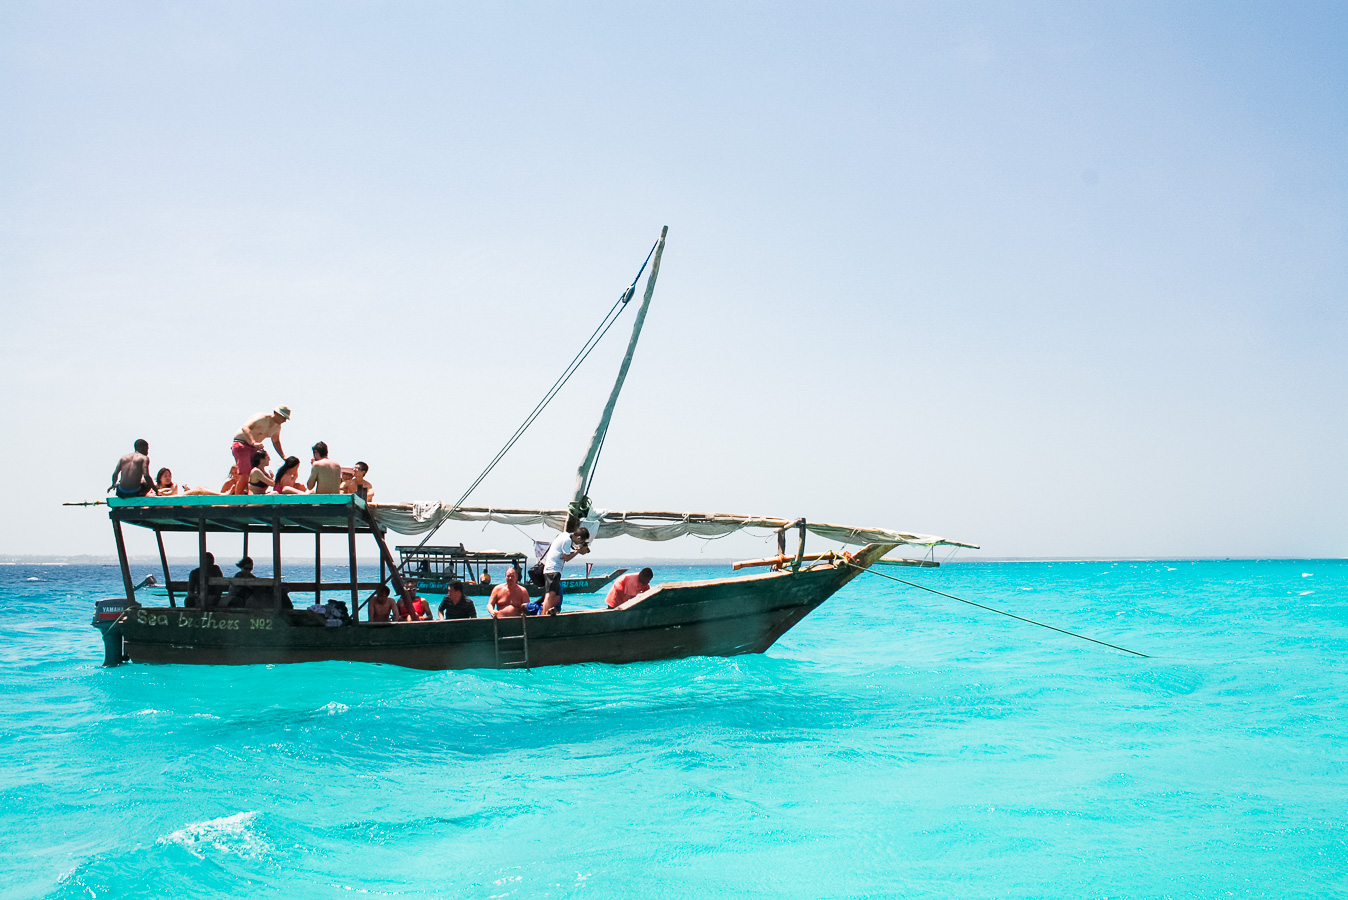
[999,611]
[586,349]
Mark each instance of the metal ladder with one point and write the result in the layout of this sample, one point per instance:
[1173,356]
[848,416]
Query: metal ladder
[512,650]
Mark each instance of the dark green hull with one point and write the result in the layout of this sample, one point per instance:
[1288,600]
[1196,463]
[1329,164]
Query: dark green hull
[710,618]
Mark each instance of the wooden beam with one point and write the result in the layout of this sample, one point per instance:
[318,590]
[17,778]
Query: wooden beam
[163,561]
[351,545]
[121,559]
[276,565]
[778,561]
[318,568]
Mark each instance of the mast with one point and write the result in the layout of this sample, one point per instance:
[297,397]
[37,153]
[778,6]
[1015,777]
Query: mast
[579,507]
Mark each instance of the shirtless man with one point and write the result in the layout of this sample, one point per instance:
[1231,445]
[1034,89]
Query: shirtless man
[326,475]
[131,478]
[357,484]
[508,599]
[381,604]
[250,438]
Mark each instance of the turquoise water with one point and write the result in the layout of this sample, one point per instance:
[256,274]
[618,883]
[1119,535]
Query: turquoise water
[895,744]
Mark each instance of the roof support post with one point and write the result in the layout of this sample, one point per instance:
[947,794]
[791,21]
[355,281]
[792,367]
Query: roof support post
[800,550]
[351,546]
[204,571]
[386,559]
[318,567]
[121,559]
[276,565]
[163,561]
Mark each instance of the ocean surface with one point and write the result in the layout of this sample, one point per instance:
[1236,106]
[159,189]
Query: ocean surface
[895,744]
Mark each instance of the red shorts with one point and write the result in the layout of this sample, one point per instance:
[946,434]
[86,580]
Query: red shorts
[243,458]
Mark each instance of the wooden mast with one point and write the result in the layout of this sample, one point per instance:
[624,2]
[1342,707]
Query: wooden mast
[580,504]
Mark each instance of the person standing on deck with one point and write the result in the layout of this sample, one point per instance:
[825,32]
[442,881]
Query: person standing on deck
[562,550]
[326,475]
[250,438]
[629,586]
[131,478]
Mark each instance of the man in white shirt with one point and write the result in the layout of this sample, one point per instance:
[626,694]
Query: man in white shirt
[562,550]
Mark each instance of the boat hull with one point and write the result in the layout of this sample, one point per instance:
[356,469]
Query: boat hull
[710,618]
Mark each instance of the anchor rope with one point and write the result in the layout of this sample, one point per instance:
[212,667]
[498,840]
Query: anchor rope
[998,611]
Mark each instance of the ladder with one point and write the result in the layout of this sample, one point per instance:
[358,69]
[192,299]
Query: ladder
[512,650]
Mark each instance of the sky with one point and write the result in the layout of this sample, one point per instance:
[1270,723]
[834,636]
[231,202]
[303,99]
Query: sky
[1059,279]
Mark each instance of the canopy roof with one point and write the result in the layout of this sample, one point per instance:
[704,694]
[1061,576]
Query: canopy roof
[417,518]
[308,513]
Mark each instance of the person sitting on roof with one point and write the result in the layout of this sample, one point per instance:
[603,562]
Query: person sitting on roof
[412,607]
[131,478]
[260,479]
[164,486]
[287,476]
[249,439]
[509,599]
[326,474]
[357,484]
[629,586]
[239,592]
[380,604]
[456,605]
[193,600]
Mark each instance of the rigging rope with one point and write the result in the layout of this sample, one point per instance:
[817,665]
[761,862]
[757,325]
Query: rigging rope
[586,349]
[999,611]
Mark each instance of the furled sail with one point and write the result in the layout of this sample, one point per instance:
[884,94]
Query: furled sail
[580,503]
[416,518]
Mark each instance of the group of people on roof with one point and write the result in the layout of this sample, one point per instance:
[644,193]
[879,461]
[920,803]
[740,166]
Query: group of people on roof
[251,472]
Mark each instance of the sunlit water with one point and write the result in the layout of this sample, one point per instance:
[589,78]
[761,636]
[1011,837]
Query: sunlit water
[895,744]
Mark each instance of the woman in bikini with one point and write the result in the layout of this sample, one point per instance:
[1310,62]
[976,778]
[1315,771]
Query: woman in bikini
[163,484]
[260,479]
[288,475]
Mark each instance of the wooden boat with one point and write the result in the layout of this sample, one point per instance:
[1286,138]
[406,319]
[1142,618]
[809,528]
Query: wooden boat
[718,617]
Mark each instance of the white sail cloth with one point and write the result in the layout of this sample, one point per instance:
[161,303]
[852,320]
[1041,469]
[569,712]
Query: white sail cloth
[418,518]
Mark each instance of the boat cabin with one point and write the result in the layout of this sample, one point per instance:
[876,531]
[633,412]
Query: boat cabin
[226,526]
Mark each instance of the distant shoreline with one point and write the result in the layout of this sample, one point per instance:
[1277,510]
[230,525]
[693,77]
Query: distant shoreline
[373,562]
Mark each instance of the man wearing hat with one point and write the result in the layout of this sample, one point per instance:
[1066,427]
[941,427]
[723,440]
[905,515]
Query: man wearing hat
[250,438]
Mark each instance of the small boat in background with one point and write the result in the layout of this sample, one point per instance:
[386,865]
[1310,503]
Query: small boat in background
[434,568]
